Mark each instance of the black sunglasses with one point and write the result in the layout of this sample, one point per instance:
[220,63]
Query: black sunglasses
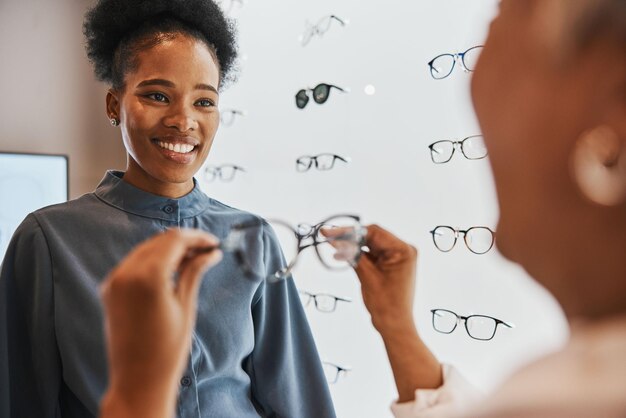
[320,94]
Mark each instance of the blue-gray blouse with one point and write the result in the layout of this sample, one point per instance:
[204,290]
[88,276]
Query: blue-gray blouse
[252,353]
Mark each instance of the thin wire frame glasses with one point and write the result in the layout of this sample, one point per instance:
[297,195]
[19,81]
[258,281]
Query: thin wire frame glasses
[321,93]
[472,148]
[225,172]
[324,302]
[478,327]
[442,65]
[320,28]
[338,242]
[228,116]
[478,239]
[334,371]
[322,162]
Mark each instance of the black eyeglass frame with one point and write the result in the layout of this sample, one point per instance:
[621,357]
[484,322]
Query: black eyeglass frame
[455,145]
[302,94]
[465,318]
[216,171]
[339,370]
[313,159]
[314,296]
[464,232]
[315,29]
[455,57]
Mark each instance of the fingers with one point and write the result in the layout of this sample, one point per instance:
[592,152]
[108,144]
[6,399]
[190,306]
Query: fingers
[380,242]
[190,276]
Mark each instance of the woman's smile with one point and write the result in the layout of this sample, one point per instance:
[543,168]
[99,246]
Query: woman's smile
[180,149]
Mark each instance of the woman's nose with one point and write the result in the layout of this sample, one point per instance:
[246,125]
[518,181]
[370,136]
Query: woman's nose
[181,118]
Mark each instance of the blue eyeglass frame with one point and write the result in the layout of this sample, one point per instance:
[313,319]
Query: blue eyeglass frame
[455,58]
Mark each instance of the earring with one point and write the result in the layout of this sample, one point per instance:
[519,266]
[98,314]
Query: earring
[114,122]
[598,166]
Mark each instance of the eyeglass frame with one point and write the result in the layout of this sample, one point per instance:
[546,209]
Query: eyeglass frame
[217,172]
[314,29]
[455,145]
[314,296]
[459,56]
[465,318]
[229,245]
[234,112]
[313,159]
[340,369]
[312,90]
[458,231]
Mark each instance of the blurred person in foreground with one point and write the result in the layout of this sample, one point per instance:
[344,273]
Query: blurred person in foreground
[550,95]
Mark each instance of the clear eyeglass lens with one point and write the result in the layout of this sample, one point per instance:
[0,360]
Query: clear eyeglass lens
[210,173]
[470,58]
[331,372]
[289,246]
[227,117]
[442,66]
[474,147]
[479,239]
[481,327]
[338,242]
[444,321]
[444,237]
[323,25]
[325,162]
[303,164]
[305,298]
[228,172]
[325,303]
[441,152]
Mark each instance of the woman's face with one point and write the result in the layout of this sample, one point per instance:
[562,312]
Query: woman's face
[169,114]
[533,103]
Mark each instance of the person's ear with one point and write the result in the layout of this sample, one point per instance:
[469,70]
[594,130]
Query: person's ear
[598,164]
[113,107]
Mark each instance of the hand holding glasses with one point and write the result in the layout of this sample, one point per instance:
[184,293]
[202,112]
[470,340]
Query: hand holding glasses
[322,162]
[472,148]
[478,327]
[320,28]
[442,65]
[225,172]
[478,239]
[321,92]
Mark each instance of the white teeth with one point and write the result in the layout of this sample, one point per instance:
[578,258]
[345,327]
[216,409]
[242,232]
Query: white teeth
[179,148]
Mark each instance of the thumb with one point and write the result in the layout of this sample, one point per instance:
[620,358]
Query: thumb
[190,277]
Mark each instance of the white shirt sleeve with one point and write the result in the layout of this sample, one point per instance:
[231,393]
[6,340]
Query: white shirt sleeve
[454,398]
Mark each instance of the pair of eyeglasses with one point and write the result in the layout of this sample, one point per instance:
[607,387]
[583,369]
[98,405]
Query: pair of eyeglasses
[321,92]
[334,371]
[442,65]
[478,327]
[324,302]
[338,242]
[320,28]
[478,239]
[322,162]
[225,172]
[228,116]
[472,148]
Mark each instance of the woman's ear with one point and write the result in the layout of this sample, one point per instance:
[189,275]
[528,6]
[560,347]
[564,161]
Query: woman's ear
[598,165]
[113,107]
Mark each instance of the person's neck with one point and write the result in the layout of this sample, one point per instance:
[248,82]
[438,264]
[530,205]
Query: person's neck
[143,181]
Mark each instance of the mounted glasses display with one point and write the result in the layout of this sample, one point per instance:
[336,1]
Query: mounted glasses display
[225,172]
[323,301]
[478,327]
[472,148]
[321,92]
[333,371]
[322,162]
[320,28]
[338,241]
[442,65]
[228,116]
[478,239]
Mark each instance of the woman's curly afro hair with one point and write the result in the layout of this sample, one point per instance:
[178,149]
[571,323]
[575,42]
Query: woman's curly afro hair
[116,30]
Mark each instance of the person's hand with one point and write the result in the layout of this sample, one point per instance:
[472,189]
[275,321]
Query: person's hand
[150,302]
[387,275]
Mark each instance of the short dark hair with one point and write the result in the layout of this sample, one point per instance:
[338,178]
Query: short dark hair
[115,30]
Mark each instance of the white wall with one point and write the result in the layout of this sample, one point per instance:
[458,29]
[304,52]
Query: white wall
[390,181]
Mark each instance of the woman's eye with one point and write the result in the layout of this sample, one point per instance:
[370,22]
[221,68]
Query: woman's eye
[157,97]
[205,103]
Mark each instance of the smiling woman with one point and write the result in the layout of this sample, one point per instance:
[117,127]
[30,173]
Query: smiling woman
[165,62]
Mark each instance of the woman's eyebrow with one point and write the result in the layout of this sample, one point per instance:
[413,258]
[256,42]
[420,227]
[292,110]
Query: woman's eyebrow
[167,83]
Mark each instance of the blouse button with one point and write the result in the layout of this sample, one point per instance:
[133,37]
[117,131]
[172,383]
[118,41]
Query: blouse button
[168,209]
[185,381]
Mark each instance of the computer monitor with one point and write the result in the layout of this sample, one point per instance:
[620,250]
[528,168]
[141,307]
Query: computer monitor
[29,182]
